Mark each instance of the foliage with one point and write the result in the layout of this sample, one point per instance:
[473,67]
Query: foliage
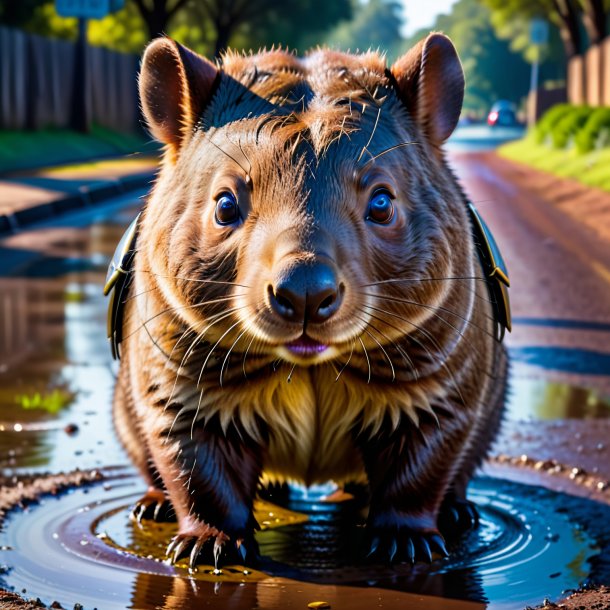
[595,133]
[564,129]
[376,25]
[548,121]
[592,168]
[563,15]
[52,402]
[482,52]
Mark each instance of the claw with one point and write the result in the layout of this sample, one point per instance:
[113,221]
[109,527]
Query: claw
[195,553]
[425,549]
[172,545]
[157,511]
[241,549]
[410,550]
[472,514]
[438,544]
[374,546]
[179,549]
[456,516]
[392,550]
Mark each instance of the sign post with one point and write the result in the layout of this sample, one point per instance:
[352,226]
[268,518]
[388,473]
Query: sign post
[539,35]
[83,10]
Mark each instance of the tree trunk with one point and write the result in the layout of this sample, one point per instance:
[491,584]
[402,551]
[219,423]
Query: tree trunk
[223,33]
[568,27]
[594,20]
[156,23]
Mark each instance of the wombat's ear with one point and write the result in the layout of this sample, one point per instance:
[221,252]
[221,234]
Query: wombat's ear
[430,83]
[175,85]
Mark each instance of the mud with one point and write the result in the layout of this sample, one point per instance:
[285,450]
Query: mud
[591,599]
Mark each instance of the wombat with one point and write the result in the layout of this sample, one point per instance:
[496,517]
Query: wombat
[310,297]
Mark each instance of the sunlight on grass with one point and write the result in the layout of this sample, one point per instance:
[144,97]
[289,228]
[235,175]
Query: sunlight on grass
[592,168]
[52,402]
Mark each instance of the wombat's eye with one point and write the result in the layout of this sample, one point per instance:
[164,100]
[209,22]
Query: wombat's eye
[381,207]
[227,210]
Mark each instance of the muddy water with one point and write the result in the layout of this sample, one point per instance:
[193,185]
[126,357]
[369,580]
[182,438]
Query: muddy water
[56,380]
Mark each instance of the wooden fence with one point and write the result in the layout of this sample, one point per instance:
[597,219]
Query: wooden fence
[36,77]
[589,76]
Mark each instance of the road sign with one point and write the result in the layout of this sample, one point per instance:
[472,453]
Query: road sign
[539,31]
[87,9]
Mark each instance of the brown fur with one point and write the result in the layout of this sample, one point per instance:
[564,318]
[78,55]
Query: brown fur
[409,394]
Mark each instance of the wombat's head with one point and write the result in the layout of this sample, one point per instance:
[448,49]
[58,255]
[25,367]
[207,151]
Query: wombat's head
[304,211]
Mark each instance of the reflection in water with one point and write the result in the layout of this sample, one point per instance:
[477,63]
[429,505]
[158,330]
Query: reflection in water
[531,543]
[541,399]
[55,368]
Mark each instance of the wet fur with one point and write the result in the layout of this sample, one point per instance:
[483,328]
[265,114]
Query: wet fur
[411,393]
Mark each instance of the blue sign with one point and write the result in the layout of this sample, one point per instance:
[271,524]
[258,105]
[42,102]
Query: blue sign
[88,9]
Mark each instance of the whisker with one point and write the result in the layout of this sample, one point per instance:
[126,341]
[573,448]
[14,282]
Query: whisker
[366,146]
[425,279]
[388,150]
[201,374]
[404,354]
[193,279]
[181,308]
[367,358]
[289,378]
[207,358]
[190,351]
[224,362]
[348,360]
[243,364]
[435,310]
[379,344]
[435,279]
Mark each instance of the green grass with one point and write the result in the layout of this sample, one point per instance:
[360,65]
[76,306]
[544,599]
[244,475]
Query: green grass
[591,168]
[21,150]
[52,402]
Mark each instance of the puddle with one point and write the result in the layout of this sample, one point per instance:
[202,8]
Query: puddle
[547,400]
[56,380]
[81,547]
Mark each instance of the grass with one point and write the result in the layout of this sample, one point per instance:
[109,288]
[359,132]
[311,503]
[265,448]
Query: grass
[52,402]
[20,150]
[591,168]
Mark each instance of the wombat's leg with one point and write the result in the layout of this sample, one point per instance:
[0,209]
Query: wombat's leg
[211,476]
[457,514]
[409,469]
[154,503]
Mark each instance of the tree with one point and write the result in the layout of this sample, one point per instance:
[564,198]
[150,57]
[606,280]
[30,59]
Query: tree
[595,19]
[157,14]
[376,25]
[562,13]
[493,70]
[266,22]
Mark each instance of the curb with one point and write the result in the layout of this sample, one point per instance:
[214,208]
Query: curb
[88,195]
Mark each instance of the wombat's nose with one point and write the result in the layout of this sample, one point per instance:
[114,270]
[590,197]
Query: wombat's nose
[307,293]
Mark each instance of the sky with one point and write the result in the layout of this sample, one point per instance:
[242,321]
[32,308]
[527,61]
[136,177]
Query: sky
[421,13]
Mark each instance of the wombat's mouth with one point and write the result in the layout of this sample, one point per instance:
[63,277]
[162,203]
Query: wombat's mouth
[306,346]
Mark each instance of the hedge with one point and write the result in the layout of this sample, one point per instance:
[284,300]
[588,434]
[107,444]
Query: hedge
[595,133]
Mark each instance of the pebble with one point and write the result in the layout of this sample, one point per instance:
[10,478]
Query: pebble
[318,605]
[71,429]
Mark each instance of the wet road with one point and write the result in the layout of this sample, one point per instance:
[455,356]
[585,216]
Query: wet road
[560,277]
[56,375]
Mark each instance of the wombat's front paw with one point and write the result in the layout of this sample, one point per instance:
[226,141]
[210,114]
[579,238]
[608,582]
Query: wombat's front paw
[396,539]
[153,505]
[457,516]
[203,543]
